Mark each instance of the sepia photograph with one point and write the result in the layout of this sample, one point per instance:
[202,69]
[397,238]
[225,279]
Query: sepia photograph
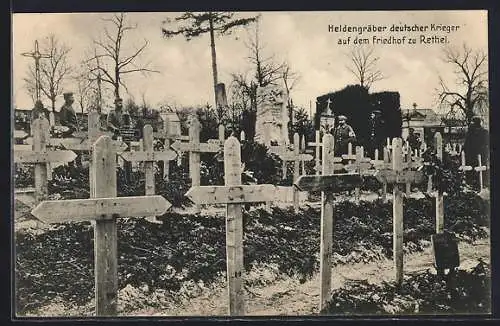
[274,163]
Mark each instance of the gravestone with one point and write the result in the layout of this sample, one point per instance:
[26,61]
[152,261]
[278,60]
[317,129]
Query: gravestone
[271,124]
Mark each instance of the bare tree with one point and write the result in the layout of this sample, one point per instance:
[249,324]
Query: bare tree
[197,24]
[266,70]
[364,66]
[469,96]
[54,70]
[86,94]
[109,61]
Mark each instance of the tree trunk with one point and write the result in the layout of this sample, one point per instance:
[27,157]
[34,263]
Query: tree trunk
[53,102]
[214,61]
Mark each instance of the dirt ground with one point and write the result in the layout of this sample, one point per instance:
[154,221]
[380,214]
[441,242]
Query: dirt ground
[290,297]
[280,296]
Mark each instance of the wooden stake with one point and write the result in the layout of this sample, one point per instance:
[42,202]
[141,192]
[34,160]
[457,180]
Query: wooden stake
[166,146]
[397,211]
[194,157]
[103,169]
[149,172]
[318,152]
[296,170]
[438,140]
[41,134]
[234,229]
[303,149]
[384,184]
[327,222]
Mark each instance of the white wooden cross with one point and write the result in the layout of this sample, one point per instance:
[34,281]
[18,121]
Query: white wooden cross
[41,156]
[103,207]
[194,147]
[328,183]
[317,144]
[398,176]
[233,194]
[438,142]
[361,165]
[293,155]
[479,169]
[148,155]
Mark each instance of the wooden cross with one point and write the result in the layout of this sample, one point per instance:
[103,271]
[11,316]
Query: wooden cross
[362,165]
[41,156]
[233,194]
[479,169]
[438,141]
[294,155]
[317,144]
[103,207]
[328,183]
[463,167]
[303,150]
[397,176]
[149,156]
[194,147]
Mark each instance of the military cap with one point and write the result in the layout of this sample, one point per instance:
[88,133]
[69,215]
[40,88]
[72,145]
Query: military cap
[67,94]
[342,117]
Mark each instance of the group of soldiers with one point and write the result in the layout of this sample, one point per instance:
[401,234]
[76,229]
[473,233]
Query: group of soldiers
[116,119]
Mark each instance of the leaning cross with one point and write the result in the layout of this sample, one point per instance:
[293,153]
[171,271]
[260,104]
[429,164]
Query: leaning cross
[41,156]
[398,176]
[103,207]
[233,194]
[149,156]
[328,183]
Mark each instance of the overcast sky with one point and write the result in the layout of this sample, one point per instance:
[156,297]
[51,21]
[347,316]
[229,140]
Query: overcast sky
[301,38]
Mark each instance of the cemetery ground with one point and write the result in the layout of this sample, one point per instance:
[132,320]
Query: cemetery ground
[177,267]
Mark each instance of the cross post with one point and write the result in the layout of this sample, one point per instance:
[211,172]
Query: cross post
[479,169]
[148,155]
[328,183]
[103,207]
[41,156]
[438,141]
[398,176]
[233,194]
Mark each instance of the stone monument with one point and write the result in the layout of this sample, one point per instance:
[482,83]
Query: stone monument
[271,124]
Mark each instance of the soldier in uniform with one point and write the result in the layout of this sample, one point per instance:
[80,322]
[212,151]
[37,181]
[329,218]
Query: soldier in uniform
[116,118]
[344,134]
[67,115]
[413,140]
[376,139]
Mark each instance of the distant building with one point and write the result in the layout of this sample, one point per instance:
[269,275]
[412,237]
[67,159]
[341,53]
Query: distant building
[426,122]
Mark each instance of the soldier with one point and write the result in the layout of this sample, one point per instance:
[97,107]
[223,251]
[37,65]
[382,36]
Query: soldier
[376,125]
[476,142]
[344,134]
[413,140]
[67,115]
[116,119]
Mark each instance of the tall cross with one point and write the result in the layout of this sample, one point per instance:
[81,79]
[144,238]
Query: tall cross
[328,102]
[37,56]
